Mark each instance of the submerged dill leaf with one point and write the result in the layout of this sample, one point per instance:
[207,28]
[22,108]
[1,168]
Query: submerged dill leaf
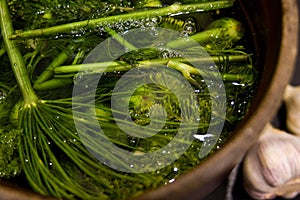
[9,160]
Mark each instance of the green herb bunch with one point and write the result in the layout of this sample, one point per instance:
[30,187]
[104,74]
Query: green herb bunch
[43,48]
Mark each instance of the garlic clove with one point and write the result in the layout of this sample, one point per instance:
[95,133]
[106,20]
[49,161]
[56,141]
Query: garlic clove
[272,166]
[254,182]
[289,190]
[291,99]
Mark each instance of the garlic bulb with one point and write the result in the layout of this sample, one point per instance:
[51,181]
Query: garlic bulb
[292,101]
[272,166]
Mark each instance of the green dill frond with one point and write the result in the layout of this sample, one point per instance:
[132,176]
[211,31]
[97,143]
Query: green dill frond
[172,23]
[38,14]
[49,133]
[9,160]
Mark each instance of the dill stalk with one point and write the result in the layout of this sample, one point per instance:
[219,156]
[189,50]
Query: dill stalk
[89,24]
[15,56]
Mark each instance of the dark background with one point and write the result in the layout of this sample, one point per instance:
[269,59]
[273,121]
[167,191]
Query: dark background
[237,192]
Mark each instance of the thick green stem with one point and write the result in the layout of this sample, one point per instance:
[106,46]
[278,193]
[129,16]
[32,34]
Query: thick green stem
[121,40]
[54,83]
[99,67]
[2,51]
[63,75]
[42,82]
[220,34]
[88,24]
[194,40]
[175,63]
[123,66]
[15,56]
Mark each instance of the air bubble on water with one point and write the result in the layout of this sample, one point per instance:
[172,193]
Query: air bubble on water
[189,27]
[172,180]
[150,22]
[136,24]
[119,26]
[133,141]
[3,95]
[211,67]
[165,54]
[99,28]
[58,36]
[154,31]
[78,77]
[40,12]
[126,24]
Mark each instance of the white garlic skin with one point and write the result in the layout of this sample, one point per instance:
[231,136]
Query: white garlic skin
[271,168]
[292,102]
